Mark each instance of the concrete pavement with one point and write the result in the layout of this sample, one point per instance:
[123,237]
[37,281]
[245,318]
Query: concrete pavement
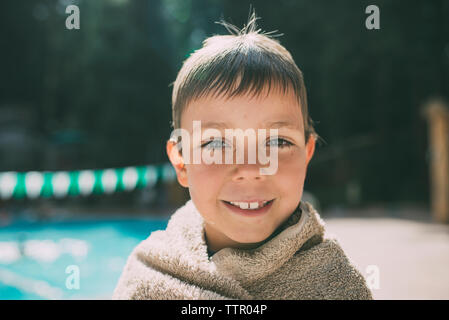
[411,254]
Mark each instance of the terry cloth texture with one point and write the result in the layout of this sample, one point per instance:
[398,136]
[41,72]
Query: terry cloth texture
[296,262]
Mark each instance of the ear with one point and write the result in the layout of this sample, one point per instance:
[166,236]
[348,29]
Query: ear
[177,162]
[310,148]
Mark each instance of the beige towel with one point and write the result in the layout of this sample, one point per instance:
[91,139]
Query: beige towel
[296,262]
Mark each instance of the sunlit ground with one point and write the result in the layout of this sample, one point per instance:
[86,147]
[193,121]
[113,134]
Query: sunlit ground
[411,252]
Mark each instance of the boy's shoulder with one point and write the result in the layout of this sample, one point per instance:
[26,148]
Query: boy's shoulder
[141,281]
[331,272]
[176,258]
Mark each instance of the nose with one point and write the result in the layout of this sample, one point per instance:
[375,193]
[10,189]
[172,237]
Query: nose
[247,172]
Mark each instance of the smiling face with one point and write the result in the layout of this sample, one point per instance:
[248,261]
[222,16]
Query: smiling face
[241,207]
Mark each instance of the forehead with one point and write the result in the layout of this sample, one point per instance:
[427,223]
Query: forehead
[274,108]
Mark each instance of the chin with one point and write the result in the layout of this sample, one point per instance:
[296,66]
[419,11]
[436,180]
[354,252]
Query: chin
[251,239]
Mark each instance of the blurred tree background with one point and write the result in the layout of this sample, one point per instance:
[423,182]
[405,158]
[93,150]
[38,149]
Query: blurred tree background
[100,96]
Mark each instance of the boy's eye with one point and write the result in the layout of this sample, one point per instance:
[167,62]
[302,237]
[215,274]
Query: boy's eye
[278,142]
[215,144]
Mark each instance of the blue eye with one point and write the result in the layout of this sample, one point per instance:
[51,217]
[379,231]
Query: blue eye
[214,144]
[278,142]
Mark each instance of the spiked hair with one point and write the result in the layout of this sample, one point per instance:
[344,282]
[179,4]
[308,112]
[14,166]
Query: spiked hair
[246,61]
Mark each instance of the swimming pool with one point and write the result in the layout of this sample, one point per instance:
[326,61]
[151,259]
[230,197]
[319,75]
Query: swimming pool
[77,259]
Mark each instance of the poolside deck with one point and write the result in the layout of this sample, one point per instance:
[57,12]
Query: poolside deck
[410,251]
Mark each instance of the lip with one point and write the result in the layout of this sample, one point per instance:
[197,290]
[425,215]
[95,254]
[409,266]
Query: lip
[246,212]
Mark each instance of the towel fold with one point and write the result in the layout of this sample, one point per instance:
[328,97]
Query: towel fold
[296,262]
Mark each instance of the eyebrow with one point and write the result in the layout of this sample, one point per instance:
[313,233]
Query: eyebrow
[268,124]
[213,124]
[281,124]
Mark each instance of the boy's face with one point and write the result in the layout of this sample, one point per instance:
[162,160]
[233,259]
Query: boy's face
[213,187]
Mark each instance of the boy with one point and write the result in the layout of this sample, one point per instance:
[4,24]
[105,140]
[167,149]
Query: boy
[245,233]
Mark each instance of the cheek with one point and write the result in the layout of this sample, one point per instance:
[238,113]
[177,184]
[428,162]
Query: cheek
[291,170]
[205,180]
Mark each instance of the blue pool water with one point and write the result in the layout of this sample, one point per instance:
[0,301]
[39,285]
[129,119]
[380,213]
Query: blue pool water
[68,260]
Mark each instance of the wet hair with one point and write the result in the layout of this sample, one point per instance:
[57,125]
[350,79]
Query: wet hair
[246,61]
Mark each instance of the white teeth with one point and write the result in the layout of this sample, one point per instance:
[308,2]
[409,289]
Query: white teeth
[249,205]
[254,205]
[243,205]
